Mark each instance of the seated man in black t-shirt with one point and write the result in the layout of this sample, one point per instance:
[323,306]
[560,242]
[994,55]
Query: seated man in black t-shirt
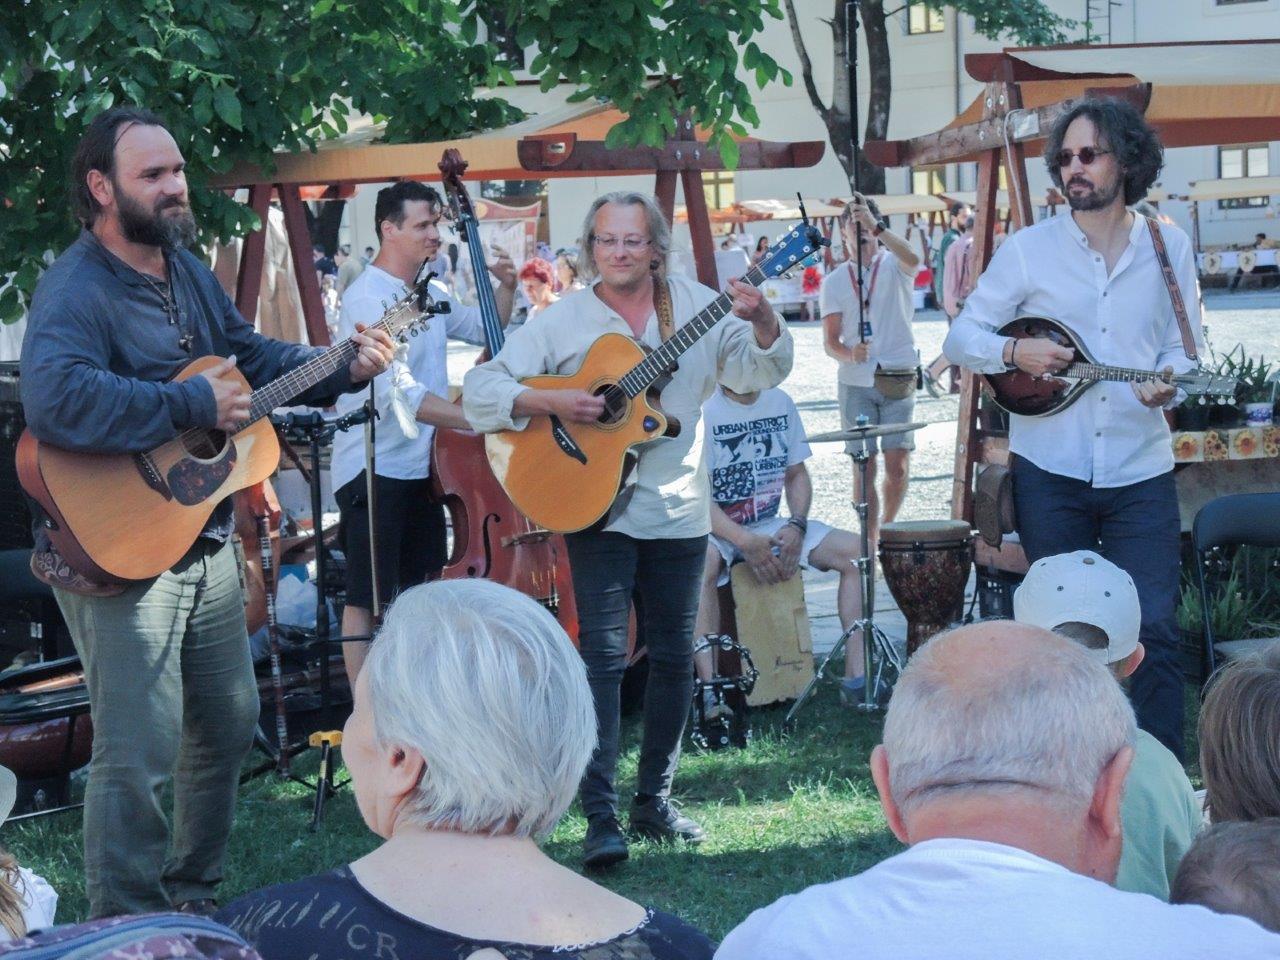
[471,728]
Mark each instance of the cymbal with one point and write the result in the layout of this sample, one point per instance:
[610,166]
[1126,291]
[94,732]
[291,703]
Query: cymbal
[861,433]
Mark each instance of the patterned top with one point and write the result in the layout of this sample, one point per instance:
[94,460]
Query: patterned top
[331,916]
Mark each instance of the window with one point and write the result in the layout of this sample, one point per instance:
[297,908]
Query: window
[922,18]
[928,180]
[717,187]
[1249,160]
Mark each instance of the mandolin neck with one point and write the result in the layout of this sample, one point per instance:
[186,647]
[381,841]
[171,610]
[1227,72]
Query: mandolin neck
[659,363]
[1099,371]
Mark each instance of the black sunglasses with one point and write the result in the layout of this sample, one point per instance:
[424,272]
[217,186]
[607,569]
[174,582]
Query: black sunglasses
[1086,154]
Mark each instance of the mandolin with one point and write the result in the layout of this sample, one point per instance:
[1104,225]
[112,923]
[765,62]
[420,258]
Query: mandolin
[1019,392]
[565,476]
[121,517]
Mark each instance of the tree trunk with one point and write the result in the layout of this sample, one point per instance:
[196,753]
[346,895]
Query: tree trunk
[876,34]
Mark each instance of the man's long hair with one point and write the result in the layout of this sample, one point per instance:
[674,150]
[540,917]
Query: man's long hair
[1123,131]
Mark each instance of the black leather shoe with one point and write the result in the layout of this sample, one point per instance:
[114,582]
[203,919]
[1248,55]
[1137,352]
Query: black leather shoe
[604,845]
[660,819]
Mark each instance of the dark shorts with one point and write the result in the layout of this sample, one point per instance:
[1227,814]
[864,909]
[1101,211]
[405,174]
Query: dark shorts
[410,532]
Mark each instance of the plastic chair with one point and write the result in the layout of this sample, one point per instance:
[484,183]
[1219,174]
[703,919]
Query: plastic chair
[1245,519]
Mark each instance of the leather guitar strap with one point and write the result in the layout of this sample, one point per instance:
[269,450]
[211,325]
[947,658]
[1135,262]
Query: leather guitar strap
[662,304]
[1175,294]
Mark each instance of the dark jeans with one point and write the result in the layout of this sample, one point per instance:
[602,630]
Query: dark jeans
[607,568]
[1136,528]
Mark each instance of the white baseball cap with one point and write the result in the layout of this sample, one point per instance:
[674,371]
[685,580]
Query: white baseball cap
[1082,587]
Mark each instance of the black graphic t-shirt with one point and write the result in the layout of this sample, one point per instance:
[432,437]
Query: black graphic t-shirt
[332,917]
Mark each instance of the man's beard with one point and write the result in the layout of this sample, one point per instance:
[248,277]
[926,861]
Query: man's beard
[1096,199]
[155,228]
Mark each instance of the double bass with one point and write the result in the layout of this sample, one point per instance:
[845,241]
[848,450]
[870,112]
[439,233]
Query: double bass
[491,538]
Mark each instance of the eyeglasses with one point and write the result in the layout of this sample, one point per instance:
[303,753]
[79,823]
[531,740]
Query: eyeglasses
[1086,154]
[628,243]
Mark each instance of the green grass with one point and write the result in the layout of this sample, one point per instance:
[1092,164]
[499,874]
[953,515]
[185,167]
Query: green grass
[786,812]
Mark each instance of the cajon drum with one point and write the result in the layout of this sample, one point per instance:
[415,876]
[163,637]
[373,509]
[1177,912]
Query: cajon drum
[773,624]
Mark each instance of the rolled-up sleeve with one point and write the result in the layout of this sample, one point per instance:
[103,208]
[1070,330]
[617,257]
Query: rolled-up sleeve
[490,389]
[744,366]
[73,401]
[972,341]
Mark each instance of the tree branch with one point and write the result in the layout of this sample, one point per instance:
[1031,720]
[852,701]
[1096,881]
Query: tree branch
[895,12]
[806,65]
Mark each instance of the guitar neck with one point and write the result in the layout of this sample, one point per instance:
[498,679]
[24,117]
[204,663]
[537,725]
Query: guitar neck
[644,374]
[322,366]
[1099,371]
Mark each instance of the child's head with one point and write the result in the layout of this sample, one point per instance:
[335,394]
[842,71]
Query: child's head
[1234,868]
[1087,599]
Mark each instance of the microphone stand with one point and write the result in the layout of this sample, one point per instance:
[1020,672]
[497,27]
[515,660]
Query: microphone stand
[851,64]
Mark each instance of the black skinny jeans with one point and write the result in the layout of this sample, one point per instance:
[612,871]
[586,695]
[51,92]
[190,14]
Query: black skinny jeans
[607,568]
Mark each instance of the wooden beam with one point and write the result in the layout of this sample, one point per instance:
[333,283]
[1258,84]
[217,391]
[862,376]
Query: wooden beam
[664,191]
[704,250]
[252,253]
[953,144]
[295,225]
[560,154]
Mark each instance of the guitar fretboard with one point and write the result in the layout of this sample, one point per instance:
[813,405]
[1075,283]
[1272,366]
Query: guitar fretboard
[657,364]
[322,366]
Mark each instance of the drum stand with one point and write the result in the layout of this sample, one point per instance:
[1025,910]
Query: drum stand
[879,653]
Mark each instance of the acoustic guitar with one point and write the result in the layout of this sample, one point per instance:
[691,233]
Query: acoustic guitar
[122,517]
[565,476]
[1019,392]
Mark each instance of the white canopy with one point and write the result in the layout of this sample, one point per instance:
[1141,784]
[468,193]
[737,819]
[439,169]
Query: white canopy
[789,209]
[1192,63]
[1233,187]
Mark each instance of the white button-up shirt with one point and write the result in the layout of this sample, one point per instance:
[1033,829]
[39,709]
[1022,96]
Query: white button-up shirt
[671,499]
[420,367]
[1107,437]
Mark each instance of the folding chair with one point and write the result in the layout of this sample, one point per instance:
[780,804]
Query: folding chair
[1245,519]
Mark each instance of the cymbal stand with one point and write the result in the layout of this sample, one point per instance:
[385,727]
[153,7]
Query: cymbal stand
[880,656]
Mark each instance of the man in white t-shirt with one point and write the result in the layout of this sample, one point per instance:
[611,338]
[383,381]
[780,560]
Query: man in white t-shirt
[411,397]
[1004,758]
[755,451]
[883,277]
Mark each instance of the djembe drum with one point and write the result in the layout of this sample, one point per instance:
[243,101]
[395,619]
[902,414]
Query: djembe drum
[926,565]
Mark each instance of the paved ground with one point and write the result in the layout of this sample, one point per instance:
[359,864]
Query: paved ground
[1251,318]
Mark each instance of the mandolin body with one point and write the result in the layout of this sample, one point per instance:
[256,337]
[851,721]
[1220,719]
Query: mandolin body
[1019,392]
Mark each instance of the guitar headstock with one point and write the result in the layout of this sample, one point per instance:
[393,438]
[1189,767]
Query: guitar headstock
[792,249]
[412,313]
[1206,383]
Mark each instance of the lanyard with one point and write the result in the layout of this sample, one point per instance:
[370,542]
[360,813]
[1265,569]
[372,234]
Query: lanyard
[871,287]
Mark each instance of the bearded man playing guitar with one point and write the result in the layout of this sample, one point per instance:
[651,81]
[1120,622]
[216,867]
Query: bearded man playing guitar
[1099,474]
[654,539]
[166,660]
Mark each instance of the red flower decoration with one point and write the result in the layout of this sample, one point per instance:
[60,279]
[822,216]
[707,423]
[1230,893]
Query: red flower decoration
[811,281]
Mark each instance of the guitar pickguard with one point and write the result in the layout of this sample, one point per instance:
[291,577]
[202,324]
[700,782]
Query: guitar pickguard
[195,481]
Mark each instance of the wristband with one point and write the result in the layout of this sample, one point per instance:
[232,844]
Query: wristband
[800,523]
[1013,352]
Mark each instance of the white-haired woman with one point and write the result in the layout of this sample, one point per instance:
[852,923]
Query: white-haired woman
[471,728]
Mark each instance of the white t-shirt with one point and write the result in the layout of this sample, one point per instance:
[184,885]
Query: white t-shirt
[39,903]
[970,900]
[670,496]
[420,367]
[748,449]
[890,311]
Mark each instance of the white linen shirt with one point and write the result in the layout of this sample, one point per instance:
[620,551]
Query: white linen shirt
[1107,437]
[671,499]
[890,312]
[418,370]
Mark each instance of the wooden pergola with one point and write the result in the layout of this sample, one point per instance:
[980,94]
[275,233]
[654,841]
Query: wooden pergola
[1194,94]
[551,146]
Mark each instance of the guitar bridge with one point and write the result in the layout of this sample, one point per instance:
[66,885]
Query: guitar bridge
[565,441]
[151,476]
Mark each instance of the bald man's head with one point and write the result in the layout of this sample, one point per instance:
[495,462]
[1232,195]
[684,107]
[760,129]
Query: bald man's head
[1000,706]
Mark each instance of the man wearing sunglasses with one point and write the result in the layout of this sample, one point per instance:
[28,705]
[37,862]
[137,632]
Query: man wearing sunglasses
[1099,474]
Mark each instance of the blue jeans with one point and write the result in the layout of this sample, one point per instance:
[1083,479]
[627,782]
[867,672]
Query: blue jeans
[667,574]
[1137,528]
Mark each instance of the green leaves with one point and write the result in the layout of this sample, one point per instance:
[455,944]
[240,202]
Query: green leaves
[227,106]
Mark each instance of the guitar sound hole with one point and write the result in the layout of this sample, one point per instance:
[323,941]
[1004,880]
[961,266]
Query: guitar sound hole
[615,403]
[205,444]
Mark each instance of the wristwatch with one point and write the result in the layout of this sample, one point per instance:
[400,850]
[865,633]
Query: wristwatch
[879,228]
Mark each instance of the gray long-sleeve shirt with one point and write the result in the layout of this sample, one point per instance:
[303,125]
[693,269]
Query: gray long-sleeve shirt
[101,350]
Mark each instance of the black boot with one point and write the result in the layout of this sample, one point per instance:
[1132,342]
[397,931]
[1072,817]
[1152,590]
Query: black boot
[659,819]
[604,845]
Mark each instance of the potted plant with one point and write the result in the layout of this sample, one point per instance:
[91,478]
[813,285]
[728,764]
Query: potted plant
[1256,393]
[1191,414]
